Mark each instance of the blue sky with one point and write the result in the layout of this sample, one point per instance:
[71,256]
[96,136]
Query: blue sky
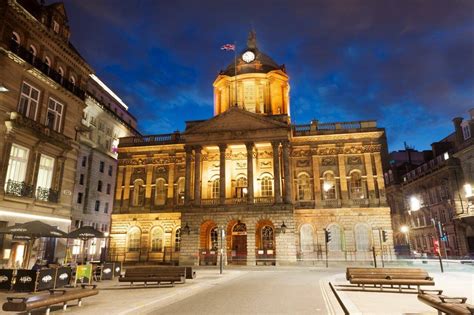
[407,63]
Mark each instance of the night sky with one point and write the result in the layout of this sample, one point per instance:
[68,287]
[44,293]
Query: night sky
[408,64]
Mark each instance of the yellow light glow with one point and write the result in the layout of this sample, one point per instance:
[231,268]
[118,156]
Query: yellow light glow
[468,190]
[415,203]
[33,216]
[404,229]
[327,186]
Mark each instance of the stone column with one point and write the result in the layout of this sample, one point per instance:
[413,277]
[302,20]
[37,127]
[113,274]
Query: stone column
[287,172]
[316,180]
[119,187]
[187,178]
[170,191]
[222,148]
[370,176]
[380,180]
[250,190]
[126,192]
[276,171]
[197,175]
[343,178]
[148,183]
[251,234]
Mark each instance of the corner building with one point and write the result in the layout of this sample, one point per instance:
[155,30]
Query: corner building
[271,186]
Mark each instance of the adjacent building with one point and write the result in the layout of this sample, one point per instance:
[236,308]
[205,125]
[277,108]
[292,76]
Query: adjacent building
[42,100]
[249,181]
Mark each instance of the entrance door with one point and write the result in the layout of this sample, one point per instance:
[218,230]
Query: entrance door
[239,244]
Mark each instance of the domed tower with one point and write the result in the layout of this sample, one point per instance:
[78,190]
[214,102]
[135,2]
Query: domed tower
[253,82]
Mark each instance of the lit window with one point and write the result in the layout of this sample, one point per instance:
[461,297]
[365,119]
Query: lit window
[357,191]
[138,192]
[133,239]
[214,238]
[29,99]
[55,115]
[45,176]
[157,239]
[304,187]
[160,191]
[240,187]
[177,240]
[266,186]
[267,239]
[329,186]
[215,188]
[17,165]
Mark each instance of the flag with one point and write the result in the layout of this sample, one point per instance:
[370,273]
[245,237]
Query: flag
[228,47]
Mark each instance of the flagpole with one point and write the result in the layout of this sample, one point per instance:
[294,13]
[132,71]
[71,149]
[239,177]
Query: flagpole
[235,73]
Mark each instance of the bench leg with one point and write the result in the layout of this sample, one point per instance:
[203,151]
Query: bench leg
[440,313]
[399,288]
[363,287]
[64,306]
[47,311]
[79,302]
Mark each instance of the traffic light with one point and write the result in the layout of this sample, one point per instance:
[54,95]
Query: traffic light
[436,246]
[327,235]
[384,236]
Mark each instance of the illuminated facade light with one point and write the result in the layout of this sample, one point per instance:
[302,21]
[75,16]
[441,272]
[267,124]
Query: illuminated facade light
[33,216]
[446,155]
[415,203]
[327,186]
[404,229]
[468,190]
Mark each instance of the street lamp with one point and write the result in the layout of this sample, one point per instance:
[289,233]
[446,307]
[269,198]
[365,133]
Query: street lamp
[405,230]
[327,186]
[415,203]
[468,190]
[3,88]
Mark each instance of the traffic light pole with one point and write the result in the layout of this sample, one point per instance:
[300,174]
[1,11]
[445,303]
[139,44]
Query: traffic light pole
[438,250]
[327,238]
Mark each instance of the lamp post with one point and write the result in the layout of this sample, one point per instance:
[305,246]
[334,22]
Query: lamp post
[106,234]
[221,258]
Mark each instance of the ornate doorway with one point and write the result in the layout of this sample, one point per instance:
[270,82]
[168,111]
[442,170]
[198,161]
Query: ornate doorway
[239,244]
[265,243]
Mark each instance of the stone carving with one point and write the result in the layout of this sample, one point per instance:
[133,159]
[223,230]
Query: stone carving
[241,165]
[265,164]
[302,163]
[146,161]
[160,170]
[264,154]
[354,160]
[353,149]
[300,153]
[371,148]
[138,170]
[327,161]
[329,151]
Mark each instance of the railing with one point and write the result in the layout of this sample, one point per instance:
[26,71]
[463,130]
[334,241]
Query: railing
[23,53]
[237,201]
[19,189]
[360,202]
[264,200]
[170,138]
[331,203]
[315,127]
[47,194]
[427,167]
[210,202]
[305,204]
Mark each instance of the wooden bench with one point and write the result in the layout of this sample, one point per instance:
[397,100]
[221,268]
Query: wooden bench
[190,274]
[389,276]
[446,304]
[55,296]
[154,274]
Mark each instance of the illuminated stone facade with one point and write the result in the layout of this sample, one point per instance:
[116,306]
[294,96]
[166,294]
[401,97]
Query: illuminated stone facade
[271,186]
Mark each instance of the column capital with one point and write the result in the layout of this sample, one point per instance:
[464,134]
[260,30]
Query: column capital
[275,143]
[222,147]
[249,145]
[197,148]
[188,149]
[285,144]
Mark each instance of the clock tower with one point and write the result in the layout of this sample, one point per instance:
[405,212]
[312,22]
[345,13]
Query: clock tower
[253,82]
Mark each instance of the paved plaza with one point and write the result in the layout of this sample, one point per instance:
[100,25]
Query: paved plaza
[266,290]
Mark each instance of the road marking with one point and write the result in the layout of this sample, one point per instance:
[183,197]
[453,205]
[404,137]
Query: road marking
[327,302]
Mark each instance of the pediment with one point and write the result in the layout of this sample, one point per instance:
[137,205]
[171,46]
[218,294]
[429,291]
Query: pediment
[236,119]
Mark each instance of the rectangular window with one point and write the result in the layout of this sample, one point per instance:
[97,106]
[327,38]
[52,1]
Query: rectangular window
[466,131]
[81,179]
[55,115]
[56,27]
[106,207]
[110,170]
[99,186]
[79,198]
[108,189]
[29,100]
[45,172]
[84,161]
[17,165]
[97,205]
[101,166]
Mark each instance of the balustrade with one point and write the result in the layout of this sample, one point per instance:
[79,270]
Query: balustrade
[21,189]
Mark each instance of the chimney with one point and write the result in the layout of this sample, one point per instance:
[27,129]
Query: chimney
[458,131]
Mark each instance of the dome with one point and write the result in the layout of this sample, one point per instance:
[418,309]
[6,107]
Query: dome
[262,63]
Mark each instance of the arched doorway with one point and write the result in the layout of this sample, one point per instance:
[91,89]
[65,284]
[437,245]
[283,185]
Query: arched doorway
[208,243]
[238,246]
[265,242]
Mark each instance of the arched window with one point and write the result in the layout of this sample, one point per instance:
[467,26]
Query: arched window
[362,236]
[156,239]
[160,191]
[215,188]
[179,192]
[304,187]
[33,52]
[267,237]
[306,238]
[357,191]
[266,186]
[214,238]
[138,192]
[329,186]
[72,79]
[336,242]
[177,240]
[133,239]
[240,187]
[16,38]
[61,73]
[47,62]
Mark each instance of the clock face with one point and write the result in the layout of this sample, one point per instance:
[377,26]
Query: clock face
[248,56]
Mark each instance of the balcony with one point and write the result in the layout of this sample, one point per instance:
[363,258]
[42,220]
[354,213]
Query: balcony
[26,55]
[363,202]
[171,138]
[47,194]
[304,204]
[264,200]
[19,121]
[331,203]
[323,128]
[209,202]
[21,189]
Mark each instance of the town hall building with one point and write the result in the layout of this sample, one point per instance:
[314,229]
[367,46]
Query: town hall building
[251,183]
